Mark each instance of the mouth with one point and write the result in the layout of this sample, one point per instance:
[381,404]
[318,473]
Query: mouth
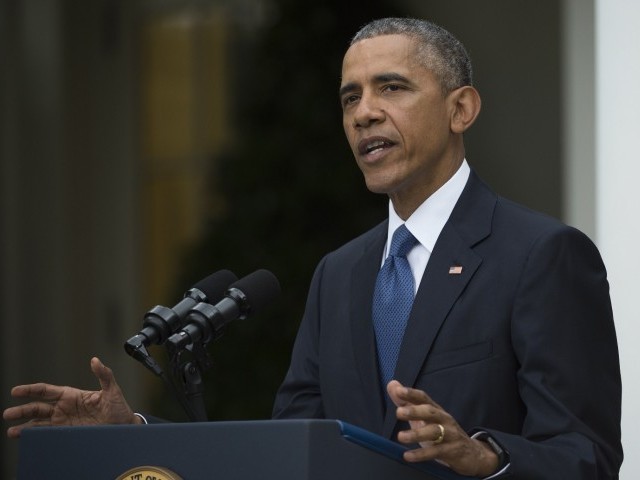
[374,145]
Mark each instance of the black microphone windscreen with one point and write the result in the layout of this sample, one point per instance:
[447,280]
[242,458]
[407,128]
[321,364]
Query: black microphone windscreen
[260,288]
[215,285]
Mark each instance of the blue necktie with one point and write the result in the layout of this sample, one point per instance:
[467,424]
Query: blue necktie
[392,301]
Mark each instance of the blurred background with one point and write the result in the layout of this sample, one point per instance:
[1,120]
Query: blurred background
[148,143]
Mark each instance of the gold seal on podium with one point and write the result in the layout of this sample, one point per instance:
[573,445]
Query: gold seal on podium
[149,473]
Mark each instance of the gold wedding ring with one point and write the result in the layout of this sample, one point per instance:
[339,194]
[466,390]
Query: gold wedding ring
[441,436]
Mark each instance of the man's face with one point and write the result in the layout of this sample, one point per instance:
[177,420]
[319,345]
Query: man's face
[397,120]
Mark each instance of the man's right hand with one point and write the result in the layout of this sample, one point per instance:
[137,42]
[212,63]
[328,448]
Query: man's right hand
[52,405]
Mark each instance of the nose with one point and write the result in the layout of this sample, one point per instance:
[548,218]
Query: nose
[368,111]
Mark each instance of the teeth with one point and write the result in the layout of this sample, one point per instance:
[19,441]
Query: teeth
[375,145]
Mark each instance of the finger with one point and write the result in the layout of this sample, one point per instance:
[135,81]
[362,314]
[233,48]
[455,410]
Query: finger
[424,454]
[431,433]
[34,410]
[14,432]
[414,396]
[102,373]
[402,395]
[8,413]
[425,412]
[394,389]
[42,391]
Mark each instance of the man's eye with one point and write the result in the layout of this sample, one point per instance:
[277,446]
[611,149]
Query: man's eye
[392,88]
[349,100]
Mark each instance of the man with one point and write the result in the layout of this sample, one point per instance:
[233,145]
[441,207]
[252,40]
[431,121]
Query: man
[508,363]
[510,332]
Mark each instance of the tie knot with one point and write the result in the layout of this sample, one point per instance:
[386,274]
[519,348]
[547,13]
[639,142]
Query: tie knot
[402,242]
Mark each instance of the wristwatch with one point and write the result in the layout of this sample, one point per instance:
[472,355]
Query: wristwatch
[503,456]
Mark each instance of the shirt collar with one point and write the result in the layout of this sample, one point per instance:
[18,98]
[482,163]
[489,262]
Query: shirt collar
[429,219]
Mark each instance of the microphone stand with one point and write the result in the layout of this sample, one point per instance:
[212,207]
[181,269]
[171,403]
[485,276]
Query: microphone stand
[190,374]
[194,408]
[190,391]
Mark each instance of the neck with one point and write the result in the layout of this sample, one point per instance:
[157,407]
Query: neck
[405,203]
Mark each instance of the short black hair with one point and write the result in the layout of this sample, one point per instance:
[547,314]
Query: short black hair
[438,50]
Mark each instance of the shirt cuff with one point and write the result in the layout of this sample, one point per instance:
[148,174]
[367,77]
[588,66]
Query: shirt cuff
[141,417]
[502,468]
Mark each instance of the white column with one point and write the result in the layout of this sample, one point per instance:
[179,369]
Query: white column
[617,194]
[578,94]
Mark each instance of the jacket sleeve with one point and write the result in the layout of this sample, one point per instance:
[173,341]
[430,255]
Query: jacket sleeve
[299,396]
[569,376]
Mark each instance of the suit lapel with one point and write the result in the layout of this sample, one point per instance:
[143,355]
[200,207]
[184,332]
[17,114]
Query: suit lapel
[470,222]
[363,340]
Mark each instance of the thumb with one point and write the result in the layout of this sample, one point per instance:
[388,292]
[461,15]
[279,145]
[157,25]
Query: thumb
[102,373]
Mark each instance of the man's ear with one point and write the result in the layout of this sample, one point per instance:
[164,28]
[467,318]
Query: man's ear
[465,102]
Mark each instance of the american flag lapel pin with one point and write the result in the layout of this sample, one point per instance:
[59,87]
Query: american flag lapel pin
[455,270]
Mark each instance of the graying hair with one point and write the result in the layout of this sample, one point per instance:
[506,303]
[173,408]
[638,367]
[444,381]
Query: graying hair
[438,50]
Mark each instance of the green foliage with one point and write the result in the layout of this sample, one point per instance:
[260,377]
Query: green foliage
[291,191]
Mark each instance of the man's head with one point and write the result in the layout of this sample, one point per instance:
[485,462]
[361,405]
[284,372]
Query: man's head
[406,99]
[437,49]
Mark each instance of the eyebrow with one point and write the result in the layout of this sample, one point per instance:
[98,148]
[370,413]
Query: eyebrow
[380,78]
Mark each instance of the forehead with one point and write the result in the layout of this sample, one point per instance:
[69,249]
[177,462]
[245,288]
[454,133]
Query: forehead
[382,53]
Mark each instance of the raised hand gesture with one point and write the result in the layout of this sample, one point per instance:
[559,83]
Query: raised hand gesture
[52,405]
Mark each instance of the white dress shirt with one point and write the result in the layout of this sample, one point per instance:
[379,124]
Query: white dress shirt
[427,221]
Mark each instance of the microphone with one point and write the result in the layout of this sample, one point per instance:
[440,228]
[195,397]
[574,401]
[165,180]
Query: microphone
[243,298]
[160,322]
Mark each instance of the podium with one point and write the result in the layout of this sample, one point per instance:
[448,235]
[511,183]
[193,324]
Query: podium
[248,450]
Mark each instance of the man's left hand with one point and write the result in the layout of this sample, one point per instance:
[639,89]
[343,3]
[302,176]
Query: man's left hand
[438,434]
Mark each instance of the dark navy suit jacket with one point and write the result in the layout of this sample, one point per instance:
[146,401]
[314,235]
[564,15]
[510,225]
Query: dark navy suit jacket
[521,343]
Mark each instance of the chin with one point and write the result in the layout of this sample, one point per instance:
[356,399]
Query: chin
[378,188]
[379,183]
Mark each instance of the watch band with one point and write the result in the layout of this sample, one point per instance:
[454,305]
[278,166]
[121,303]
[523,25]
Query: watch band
[503,456]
